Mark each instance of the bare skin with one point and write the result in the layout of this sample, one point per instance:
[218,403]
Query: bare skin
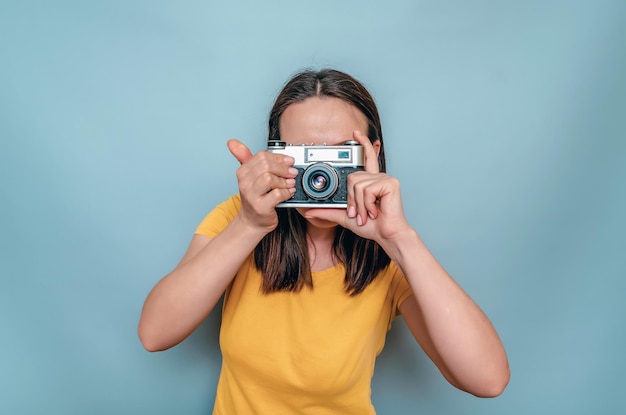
[445,321]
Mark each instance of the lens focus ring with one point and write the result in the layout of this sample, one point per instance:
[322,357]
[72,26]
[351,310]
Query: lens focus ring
[320,181]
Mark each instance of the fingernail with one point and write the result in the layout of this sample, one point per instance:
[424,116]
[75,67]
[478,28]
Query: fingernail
[359,220]
[351,211]
[289,160]
[292,190]
[370,214]
[293,171]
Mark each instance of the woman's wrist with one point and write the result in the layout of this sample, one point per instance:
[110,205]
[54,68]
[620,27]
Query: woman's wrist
[249,230]
[402,245]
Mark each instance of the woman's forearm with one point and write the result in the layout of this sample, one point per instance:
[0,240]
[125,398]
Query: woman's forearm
[181,300]
[464,340]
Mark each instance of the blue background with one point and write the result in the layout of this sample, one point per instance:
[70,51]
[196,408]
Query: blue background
[505,123]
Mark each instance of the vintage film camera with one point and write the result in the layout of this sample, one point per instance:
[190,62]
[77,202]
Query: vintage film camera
[323,171]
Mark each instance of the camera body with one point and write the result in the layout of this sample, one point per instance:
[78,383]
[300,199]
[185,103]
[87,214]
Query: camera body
[323,170]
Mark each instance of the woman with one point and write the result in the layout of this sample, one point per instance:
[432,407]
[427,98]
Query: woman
[311,293]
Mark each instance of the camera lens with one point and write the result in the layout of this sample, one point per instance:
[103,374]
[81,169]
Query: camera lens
[320,181]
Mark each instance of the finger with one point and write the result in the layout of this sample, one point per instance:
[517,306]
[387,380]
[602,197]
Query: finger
[276,196]
[263,161]
[370,153]
[267,181]
[359,202]
[351,208]
[369,201]
[353,179]
[239,150]
[277,164]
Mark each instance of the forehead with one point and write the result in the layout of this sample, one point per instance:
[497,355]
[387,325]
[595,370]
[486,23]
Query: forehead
[321,120]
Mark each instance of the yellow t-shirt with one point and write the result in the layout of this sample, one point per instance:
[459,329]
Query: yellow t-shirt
[310,352]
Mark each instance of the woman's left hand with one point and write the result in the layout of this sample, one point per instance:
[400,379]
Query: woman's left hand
[374,203]
[452,329]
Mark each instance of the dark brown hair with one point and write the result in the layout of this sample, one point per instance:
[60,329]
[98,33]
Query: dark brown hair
[283,255]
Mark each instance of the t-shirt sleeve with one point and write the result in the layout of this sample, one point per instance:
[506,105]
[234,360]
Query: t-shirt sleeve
[399,289]
[219,217]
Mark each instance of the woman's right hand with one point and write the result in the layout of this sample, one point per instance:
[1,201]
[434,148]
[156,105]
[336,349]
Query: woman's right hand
[265,180]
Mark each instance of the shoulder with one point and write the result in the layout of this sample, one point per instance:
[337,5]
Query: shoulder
[214,222]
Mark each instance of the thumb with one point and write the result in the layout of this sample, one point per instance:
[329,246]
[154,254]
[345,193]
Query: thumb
[239,150]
